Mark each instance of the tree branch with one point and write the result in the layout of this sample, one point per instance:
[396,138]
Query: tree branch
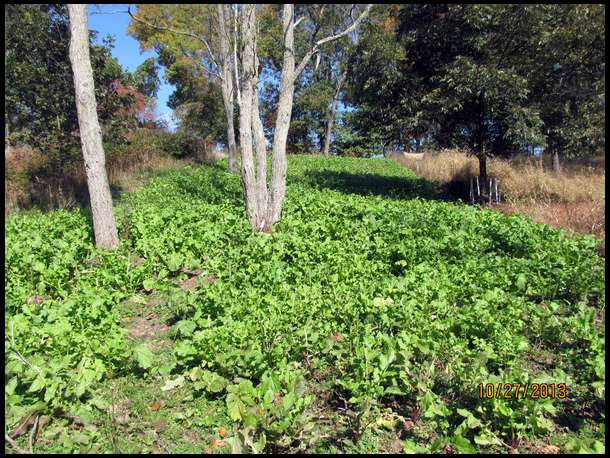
[15,446]
[182,32]
[322,41]
[109,12]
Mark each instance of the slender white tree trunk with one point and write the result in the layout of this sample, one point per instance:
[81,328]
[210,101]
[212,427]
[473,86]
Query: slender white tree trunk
[556,165]
[224,15]
[330,118]
[227,98]
[264,204]
[282,123]
[248,172]
[104,226]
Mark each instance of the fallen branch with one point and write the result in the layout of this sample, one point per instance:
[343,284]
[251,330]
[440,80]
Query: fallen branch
[33,434]
[14,445]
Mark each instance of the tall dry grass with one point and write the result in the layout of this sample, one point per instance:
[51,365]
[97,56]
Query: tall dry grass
[31,182]
[572,199]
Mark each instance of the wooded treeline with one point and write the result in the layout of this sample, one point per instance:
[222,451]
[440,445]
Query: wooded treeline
[499,78]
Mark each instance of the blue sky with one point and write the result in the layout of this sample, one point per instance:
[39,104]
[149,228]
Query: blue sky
[126,48]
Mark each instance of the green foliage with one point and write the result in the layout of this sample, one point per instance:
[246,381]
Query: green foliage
[39,102]
[144,356]
[146,78]
[492,78]
[349,142]
[372,290]
[270,414]
[320,80]
[197,98]
[308,119]
[39,99]
[40,110]
[154,141]
[567,76]
[62,330]
[384,98]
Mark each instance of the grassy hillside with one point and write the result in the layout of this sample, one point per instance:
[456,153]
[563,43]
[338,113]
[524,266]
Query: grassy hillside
[366,322]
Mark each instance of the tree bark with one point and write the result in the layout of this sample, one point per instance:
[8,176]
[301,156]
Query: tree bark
[104,225]
[282,123]
[264,204]
[248,26]
[556,166]
[330,119]
[224,15]
[483,174]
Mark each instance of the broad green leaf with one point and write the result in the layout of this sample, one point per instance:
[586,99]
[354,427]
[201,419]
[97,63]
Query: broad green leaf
[144,356]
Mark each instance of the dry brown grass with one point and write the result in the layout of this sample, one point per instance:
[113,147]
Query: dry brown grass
[28,184]
[130,175]
[573,199]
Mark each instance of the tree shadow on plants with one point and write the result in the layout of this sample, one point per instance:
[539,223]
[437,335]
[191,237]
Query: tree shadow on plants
[395,187]
[578,415]
[217,186]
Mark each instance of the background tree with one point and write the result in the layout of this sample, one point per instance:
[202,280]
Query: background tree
[197,104]
[201,34]
[499,78]
[567,73]
[40,109]
[378,88]
[320,85]
[146,78]
[104,225]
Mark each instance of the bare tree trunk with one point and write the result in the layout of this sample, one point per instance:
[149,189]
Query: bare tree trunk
[258,137]
[264,205]
[282,123]
[556,166]
[224,14]
[483,173]
[8,149]
[248,173]
[231,143]
[330,118]
[104,225]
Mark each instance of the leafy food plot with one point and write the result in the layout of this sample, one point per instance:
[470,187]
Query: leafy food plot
[366,321]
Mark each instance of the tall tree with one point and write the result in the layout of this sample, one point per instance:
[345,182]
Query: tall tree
[567,74]
[382,88]
[197,101]
[332,64]
[496,79]
[39,107]
[456,80]
[320,85]
[104,225]
[264,203]
[200,33]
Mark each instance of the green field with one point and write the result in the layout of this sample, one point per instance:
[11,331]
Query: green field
[365,323]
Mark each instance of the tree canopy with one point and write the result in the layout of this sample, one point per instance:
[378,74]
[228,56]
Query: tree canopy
[40,107]
[495,79]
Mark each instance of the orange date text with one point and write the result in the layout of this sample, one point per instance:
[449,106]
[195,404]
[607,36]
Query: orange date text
[523,390]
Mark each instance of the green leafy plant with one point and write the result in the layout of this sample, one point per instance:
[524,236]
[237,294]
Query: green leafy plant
[388,300]
[270,414]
